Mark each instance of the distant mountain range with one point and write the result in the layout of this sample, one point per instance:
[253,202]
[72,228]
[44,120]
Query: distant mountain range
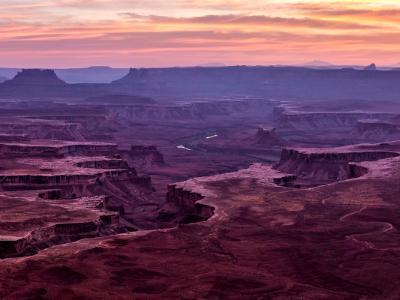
[319,64]
[105,74]
[96,74]
[215,82]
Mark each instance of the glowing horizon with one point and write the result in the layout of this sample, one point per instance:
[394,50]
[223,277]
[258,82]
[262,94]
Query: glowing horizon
[72,33]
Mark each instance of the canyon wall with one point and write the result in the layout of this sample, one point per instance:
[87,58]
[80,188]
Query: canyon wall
[56,234]
[48,149]
[375,130]
[315,167]
[194,111]
[189,210]
[323,120]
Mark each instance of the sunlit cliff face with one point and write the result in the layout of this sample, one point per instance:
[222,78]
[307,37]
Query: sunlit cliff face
[68,33]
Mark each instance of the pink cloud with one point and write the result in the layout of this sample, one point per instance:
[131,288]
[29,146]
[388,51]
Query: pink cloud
[72,33]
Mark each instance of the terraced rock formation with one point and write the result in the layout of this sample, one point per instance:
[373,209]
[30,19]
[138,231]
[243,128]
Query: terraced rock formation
[321,166]
[73,190]
[263,240]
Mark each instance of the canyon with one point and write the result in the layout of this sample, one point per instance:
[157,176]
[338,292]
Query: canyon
[200,183]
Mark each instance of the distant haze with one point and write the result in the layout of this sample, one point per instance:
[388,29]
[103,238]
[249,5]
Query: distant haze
[142,33]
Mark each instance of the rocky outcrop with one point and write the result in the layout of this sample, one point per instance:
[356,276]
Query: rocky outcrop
[133,76]
[58,234]
[320,166]
[288,181]
[36,77]
[75,228]
[52,195]
[143,181]
[12,248]
[104,164]
[77,178]
[371,67]
[267,138]
[186,202]
[38,83]
[182,198]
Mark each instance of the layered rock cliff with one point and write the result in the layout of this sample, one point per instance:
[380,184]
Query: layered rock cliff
[198,111]
[185,206]
[57,149]
[324,120]
[321,166]
[375,130]
[59,233]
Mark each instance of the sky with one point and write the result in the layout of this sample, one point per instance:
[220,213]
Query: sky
[162,33]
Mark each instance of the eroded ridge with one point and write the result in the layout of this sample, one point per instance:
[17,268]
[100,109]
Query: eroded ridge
[312,166]
[58,192]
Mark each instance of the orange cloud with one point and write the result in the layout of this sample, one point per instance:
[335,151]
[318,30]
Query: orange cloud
[58,33]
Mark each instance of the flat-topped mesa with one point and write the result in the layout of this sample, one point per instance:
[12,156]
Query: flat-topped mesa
[371,67]
[287,117]
[376,130]
[321,166]
[133,76]
[324,120]
[267,137]
[36,77]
